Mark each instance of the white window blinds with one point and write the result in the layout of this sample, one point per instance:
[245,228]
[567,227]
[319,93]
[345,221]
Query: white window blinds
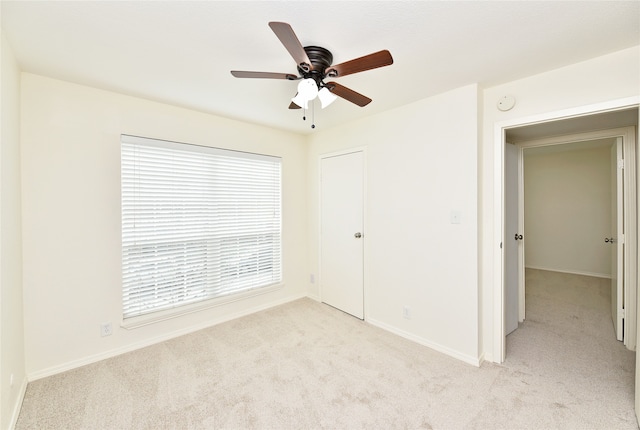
[197,223]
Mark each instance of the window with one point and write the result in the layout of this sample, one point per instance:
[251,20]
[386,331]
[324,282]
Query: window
[197,223]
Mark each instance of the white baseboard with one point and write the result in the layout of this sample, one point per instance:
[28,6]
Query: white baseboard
[54,370]
[572,272]
[474,361]
[18,405]
[314,297]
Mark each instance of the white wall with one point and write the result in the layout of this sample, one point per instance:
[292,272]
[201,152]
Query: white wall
[71,217]
[421,164]
[11,321]
[597,81]
[567,199]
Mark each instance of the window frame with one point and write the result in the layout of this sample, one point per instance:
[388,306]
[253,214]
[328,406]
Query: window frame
[188,307]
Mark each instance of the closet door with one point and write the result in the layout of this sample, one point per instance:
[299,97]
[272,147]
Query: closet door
[341,231]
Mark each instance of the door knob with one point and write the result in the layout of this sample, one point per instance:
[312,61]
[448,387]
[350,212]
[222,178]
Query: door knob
[357,235]
[518,237]
[609,240]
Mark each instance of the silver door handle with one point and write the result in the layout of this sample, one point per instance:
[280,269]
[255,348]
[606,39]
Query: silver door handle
[609,240]
[357,235]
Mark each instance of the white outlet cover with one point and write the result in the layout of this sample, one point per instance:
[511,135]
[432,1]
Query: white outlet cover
[106,329]
[406,312]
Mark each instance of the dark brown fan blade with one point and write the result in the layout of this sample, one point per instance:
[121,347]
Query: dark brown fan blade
[348,94]
[263,75]
[290,41]
[294,106]
[368,62]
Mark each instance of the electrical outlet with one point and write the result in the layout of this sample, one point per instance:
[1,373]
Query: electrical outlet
[312,278]
[406,312]
[106,329]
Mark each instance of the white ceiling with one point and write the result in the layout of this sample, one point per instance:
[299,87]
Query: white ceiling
[181,52]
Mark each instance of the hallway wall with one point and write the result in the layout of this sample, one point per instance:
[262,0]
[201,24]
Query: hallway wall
[567,197]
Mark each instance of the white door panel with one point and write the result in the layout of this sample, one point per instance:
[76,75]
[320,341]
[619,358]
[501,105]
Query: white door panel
[342,235]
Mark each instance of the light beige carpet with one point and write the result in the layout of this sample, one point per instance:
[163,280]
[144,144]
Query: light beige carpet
[305,365]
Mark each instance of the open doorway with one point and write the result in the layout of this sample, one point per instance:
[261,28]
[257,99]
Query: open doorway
[540,128]
[572,201]
[564,193]
[569,190]
[618,113]
[613,114]
[568,334]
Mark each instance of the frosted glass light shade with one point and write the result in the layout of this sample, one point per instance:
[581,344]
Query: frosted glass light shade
[307,90]
[326,97]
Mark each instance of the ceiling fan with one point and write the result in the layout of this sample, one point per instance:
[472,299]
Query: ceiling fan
[314,65]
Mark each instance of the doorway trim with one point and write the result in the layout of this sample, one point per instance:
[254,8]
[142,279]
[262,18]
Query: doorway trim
[500,128]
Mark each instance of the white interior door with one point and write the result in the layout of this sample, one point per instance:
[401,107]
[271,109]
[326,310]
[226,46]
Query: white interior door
[513,238]
[616,240]
[341,231]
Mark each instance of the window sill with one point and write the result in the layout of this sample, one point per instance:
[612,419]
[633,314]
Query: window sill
[167,314]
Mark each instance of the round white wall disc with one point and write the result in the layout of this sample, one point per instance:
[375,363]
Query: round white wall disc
[506,103]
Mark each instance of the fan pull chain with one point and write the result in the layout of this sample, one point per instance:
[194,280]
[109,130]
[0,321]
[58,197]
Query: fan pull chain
[313,114]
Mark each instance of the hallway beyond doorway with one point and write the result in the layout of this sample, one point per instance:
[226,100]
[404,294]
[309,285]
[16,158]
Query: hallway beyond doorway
[568,337]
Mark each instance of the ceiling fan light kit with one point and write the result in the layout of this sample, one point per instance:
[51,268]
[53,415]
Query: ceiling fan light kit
[308,91]
[314,65]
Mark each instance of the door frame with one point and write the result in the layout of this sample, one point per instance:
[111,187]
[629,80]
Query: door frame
[500,128]
[322,156]
[629,218]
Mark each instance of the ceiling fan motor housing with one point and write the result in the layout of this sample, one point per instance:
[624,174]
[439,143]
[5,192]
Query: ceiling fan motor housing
[321,59]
